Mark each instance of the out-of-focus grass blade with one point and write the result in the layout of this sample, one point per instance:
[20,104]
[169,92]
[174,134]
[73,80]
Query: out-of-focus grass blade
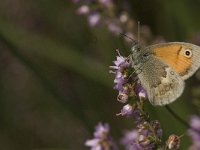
[19,40]
[60,54]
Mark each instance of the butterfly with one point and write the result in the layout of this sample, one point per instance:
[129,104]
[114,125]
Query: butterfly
[163,68]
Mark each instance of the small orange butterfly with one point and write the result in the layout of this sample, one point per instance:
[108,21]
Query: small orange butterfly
[162,69]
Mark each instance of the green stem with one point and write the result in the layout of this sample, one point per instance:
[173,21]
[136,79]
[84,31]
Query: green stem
[180,119]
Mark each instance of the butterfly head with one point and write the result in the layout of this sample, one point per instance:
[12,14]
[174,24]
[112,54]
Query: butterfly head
[136,47]
[140,56]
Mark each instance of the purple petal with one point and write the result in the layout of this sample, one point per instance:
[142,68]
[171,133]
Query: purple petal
[94,19]
[101,129]
[114,28]
[127,110]
[130,140]
[84,9]
[92,142]
[106,3]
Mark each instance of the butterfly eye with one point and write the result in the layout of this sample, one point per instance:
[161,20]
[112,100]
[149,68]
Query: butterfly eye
[188,53]
[138,48]
[146,54]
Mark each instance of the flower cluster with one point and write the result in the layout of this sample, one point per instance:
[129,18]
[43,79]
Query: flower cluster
[130,140]
[194,132]
[115,18]
[102,12]
[148,133]
[125,82]
[102,139]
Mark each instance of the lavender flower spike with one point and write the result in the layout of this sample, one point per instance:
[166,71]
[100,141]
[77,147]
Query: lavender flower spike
[102,139]
[141,93]
[130,140]
[195,135]
[121,64]
[127,110]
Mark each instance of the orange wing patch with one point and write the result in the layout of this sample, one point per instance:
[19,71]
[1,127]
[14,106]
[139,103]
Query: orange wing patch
[174,56]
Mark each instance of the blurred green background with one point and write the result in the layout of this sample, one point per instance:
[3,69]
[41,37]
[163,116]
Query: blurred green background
[55,84]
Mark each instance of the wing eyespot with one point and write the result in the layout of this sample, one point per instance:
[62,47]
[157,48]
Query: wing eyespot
[188,53]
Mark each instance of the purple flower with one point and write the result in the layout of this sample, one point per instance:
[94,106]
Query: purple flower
[150,134]
[125,82]
[102,139]
[127,110]
[121,62]
[94,19]
[133,112]
[140,91]
[137,116]
[120,71]
[114,28]
[119,81]
[155,124]
[83,10]
[101,130]
[94,144]
[107,3]
[195,135]
[130,140]
[147,136]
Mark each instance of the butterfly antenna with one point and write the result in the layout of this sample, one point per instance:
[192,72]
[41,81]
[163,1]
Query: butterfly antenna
[122,34]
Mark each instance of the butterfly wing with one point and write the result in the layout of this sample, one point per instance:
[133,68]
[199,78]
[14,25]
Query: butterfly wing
[182,57]
[162,83]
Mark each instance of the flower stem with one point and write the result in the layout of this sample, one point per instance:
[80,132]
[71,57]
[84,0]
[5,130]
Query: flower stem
[180,119]
[177,117]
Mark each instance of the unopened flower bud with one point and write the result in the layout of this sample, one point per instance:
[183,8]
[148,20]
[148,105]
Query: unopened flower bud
[122,97]
[173,142]
[143,141]
[126,110]
[157,128]
[124,17]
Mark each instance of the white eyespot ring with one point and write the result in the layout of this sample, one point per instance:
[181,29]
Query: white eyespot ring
[188,53]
